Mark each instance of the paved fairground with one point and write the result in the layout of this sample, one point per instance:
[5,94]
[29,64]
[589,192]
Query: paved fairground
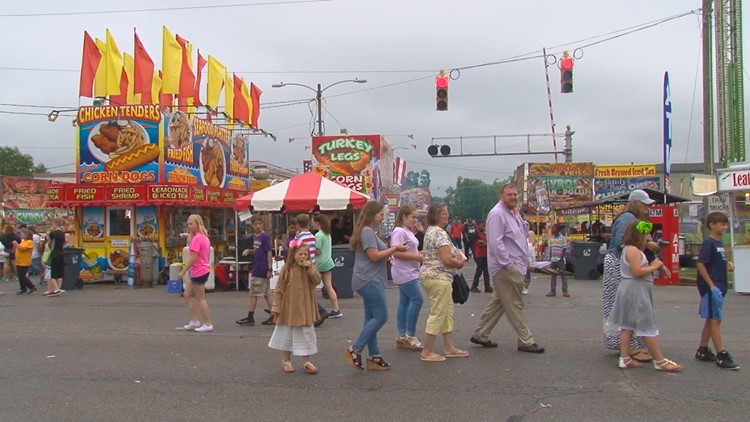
[111,353]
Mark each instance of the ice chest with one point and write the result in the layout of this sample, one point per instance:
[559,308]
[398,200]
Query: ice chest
[174,286]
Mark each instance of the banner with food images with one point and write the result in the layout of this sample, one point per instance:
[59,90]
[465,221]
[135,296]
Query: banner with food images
[615,180]
[118,144]
[146,223]
[198,152]
[567,184]
[93,224]
[349,160]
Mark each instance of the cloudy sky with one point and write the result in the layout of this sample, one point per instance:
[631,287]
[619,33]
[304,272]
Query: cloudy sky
[398,47]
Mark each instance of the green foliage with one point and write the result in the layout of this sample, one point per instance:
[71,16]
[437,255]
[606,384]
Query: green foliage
[15,163]
[472,198]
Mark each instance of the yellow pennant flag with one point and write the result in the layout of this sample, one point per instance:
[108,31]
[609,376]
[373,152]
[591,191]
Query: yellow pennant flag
[229,100]
[171,63]
[216,73]
[100,81]
[113,58]
[155,88]
[129,64]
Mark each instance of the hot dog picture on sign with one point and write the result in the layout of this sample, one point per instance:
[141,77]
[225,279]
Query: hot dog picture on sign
[118,144]
[348,160]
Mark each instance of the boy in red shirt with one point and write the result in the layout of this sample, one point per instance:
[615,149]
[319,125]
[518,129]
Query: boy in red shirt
[480,257]
[457,233]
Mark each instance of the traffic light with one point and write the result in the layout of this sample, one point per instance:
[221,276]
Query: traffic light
[433,150]
[441,91]
[566,74]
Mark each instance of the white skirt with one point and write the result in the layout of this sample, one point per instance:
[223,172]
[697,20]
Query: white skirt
[301,341]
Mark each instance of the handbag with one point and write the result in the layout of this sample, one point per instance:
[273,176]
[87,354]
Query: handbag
[460,289]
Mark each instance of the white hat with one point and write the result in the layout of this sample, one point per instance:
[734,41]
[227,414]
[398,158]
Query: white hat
[640,195]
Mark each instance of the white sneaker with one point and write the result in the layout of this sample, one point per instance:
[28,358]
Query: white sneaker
[192,325]
[204,329]
[525,291]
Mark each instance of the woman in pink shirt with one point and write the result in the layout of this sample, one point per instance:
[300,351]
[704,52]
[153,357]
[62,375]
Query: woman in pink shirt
[198,267]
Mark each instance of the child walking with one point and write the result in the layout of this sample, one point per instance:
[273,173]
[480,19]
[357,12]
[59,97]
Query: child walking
[558,244]
[23,261]
[294,309]
[633,310]
[712,285]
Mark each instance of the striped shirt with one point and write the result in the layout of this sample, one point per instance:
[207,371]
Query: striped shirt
[557,247]
[309,240]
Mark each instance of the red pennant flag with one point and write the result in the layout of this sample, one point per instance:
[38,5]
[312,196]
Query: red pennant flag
[197,92]
[89,64]
[187,78]
[143,76]
[255,93]
[241,108]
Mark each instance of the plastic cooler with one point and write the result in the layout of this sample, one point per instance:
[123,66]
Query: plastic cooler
[174,286]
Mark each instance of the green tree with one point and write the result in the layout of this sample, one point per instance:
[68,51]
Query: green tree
[411,181]
[424,179]
[15,163]
[472,197]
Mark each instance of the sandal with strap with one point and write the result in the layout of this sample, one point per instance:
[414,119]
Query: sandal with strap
[641,356]
[628,362]
[310,368]
[288,367]
[377,363]
[353,358]
[667,365]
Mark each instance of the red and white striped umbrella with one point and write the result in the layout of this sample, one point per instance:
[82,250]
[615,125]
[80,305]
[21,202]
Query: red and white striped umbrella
[302,193]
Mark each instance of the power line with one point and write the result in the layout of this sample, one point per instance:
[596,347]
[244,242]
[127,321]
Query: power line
[160,9]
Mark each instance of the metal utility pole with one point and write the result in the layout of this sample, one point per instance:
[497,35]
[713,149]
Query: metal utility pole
[318,100]
[708,105]
[568,144]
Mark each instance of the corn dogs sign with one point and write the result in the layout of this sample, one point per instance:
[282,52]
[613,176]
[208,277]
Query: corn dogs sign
[348,160]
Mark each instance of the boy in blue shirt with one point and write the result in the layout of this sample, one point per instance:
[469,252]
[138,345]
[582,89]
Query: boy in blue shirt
[712,285]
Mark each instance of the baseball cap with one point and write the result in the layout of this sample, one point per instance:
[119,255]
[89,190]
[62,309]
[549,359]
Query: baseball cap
[640,195]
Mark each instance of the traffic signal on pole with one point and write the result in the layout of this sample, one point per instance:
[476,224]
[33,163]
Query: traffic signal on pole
[441,91]
[566,73]
[443,149]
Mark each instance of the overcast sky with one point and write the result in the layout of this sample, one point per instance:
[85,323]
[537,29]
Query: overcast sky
[398,47]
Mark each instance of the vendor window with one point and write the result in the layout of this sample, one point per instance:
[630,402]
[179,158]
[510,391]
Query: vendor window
[119,221]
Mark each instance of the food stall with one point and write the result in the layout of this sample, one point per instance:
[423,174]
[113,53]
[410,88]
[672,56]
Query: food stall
[734,182]
[140,172]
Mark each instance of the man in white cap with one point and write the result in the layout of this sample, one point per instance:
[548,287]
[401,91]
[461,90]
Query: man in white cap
[641,196]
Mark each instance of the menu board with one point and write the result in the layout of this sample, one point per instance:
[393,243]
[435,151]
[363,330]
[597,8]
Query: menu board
[197,152]
[118,144]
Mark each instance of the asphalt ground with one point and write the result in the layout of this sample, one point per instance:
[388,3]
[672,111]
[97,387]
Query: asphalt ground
[111,353]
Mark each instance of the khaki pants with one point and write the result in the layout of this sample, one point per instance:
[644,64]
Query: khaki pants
[506,298]
[439,294]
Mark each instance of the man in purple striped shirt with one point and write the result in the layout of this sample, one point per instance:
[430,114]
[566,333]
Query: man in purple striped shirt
[507,260]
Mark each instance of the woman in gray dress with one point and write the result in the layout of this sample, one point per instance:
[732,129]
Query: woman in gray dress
[633,310]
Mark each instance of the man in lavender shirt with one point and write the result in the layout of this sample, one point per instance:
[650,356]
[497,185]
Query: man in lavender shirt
[507,260]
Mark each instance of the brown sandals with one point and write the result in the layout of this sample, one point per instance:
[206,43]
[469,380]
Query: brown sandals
[377,363]
[353,358]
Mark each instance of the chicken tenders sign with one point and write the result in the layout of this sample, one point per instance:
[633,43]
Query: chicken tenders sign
[348,160]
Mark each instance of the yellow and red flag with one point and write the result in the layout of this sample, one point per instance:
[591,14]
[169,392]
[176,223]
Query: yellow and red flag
[89,64]
[216,73]
[165,100]
[113,59]
[143,74]
[255,94]
[239,104]
[100,82]
[187,77]
[126,95]
[153,97]
[171,63]
[229,100]
[198,73]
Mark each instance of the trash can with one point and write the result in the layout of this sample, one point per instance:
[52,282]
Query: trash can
[72,258]
[343,259]
[586,255]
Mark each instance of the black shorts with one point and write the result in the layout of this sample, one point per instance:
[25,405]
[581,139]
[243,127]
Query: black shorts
[200,280]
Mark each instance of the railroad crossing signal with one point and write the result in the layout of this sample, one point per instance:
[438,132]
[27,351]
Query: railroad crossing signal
[566,73]
[441,91]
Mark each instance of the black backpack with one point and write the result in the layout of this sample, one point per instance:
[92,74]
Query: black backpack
[460,289]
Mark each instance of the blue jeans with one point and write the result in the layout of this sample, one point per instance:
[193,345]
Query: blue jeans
[376,315]
[36,265]
[560,266]
[410,301]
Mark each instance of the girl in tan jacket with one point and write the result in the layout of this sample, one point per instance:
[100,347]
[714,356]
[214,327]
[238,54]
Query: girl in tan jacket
[294,309]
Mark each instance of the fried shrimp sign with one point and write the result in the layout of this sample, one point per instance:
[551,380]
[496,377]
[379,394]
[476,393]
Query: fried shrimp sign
[348,160]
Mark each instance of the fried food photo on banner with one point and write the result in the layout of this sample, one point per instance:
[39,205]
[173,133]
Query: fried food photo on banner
[179,130]
[238,149]
[346,168]
[118,137]
[212,160]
